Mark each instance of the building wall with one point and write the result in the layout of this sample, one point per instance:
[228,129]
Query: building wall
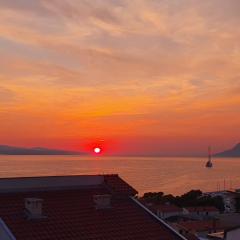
[212,214]
[229,204]
[164,215]
[233,235]
[229,200]
[203,214]
[5,233]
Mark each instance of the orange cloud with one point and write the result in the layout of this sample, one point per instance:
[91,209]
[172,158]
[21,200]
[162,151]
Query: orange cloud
[119,69]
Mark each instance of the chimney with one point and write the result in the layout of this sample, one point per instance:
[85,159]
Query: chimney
[102,201]
[33,208]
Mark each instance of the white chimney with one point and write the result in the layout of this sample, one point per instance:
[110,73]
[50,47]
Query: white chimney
[33,207]
[102,201]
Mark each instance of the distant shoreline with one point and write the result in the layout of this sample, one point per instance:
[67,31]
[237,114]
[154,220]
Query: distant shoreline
[10,150]
[41,151]
[124,156]
[2,154]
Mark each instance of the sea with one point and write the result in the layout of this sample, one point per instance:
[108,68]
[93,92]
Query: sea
[171,175]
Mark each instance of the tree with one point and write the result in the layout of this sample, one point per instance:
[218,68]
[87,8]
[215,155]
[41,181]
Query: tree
[153,197]
[188,199]
[192,198]
[169,198]
[238,204]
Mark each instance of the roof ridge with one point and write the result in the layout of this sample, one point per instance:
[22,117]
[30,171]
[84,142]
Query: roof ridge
[6,230]
[54,176]
[159,219]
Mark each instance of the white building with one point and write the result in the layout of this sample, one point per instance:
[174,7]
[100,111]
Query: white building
[164,211]
[199,212]
[232,234]
[229,199]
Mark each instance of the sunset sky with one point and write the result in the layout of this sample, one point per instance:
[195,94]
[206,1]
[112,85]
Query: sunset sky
[140,76]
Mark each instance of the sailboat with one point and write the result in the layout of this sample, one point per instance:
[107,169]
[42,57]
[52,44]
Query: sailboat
[209,163]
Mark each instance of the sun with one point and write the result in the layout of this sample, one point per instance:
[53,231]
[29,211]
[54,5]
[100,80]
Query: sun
[97,150]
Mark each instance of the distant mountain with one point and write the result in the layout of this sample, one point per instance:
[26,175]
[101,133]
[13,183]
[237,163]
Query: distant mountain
[9,150]
[234,152]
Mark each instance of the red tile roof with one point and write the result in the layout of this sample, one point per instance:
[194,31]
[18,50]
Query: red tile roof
[190,236]
[71,214]
[200,226]
[116,185]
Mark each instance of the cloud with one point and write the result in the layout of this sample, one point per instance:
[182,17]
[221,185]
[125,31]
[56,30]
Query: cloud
[6,96]
[24,6]
[149,64]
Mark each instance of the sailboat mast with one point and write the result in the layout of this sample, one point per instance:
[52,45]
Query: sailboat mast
[209,162]
[209,154]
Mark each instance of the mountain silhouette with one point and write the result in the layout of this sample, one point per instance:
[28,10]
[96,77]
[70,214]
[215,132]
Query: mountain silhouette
[234,152]
[10,150]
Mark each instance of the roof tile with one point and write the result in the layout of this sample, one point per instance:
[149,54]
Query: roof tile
[71,214]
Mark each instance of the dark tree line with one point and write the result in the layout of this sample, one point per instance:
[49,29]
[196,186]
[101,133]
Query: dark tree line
[238,204]
[192,198]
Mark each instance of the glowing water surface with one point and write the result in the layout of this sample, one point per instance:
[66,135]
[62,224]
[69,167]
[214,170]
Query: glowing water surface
[170,175]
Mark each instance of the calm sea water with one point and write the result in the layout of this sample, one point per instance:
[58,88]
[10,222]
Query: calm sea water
[170,175]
